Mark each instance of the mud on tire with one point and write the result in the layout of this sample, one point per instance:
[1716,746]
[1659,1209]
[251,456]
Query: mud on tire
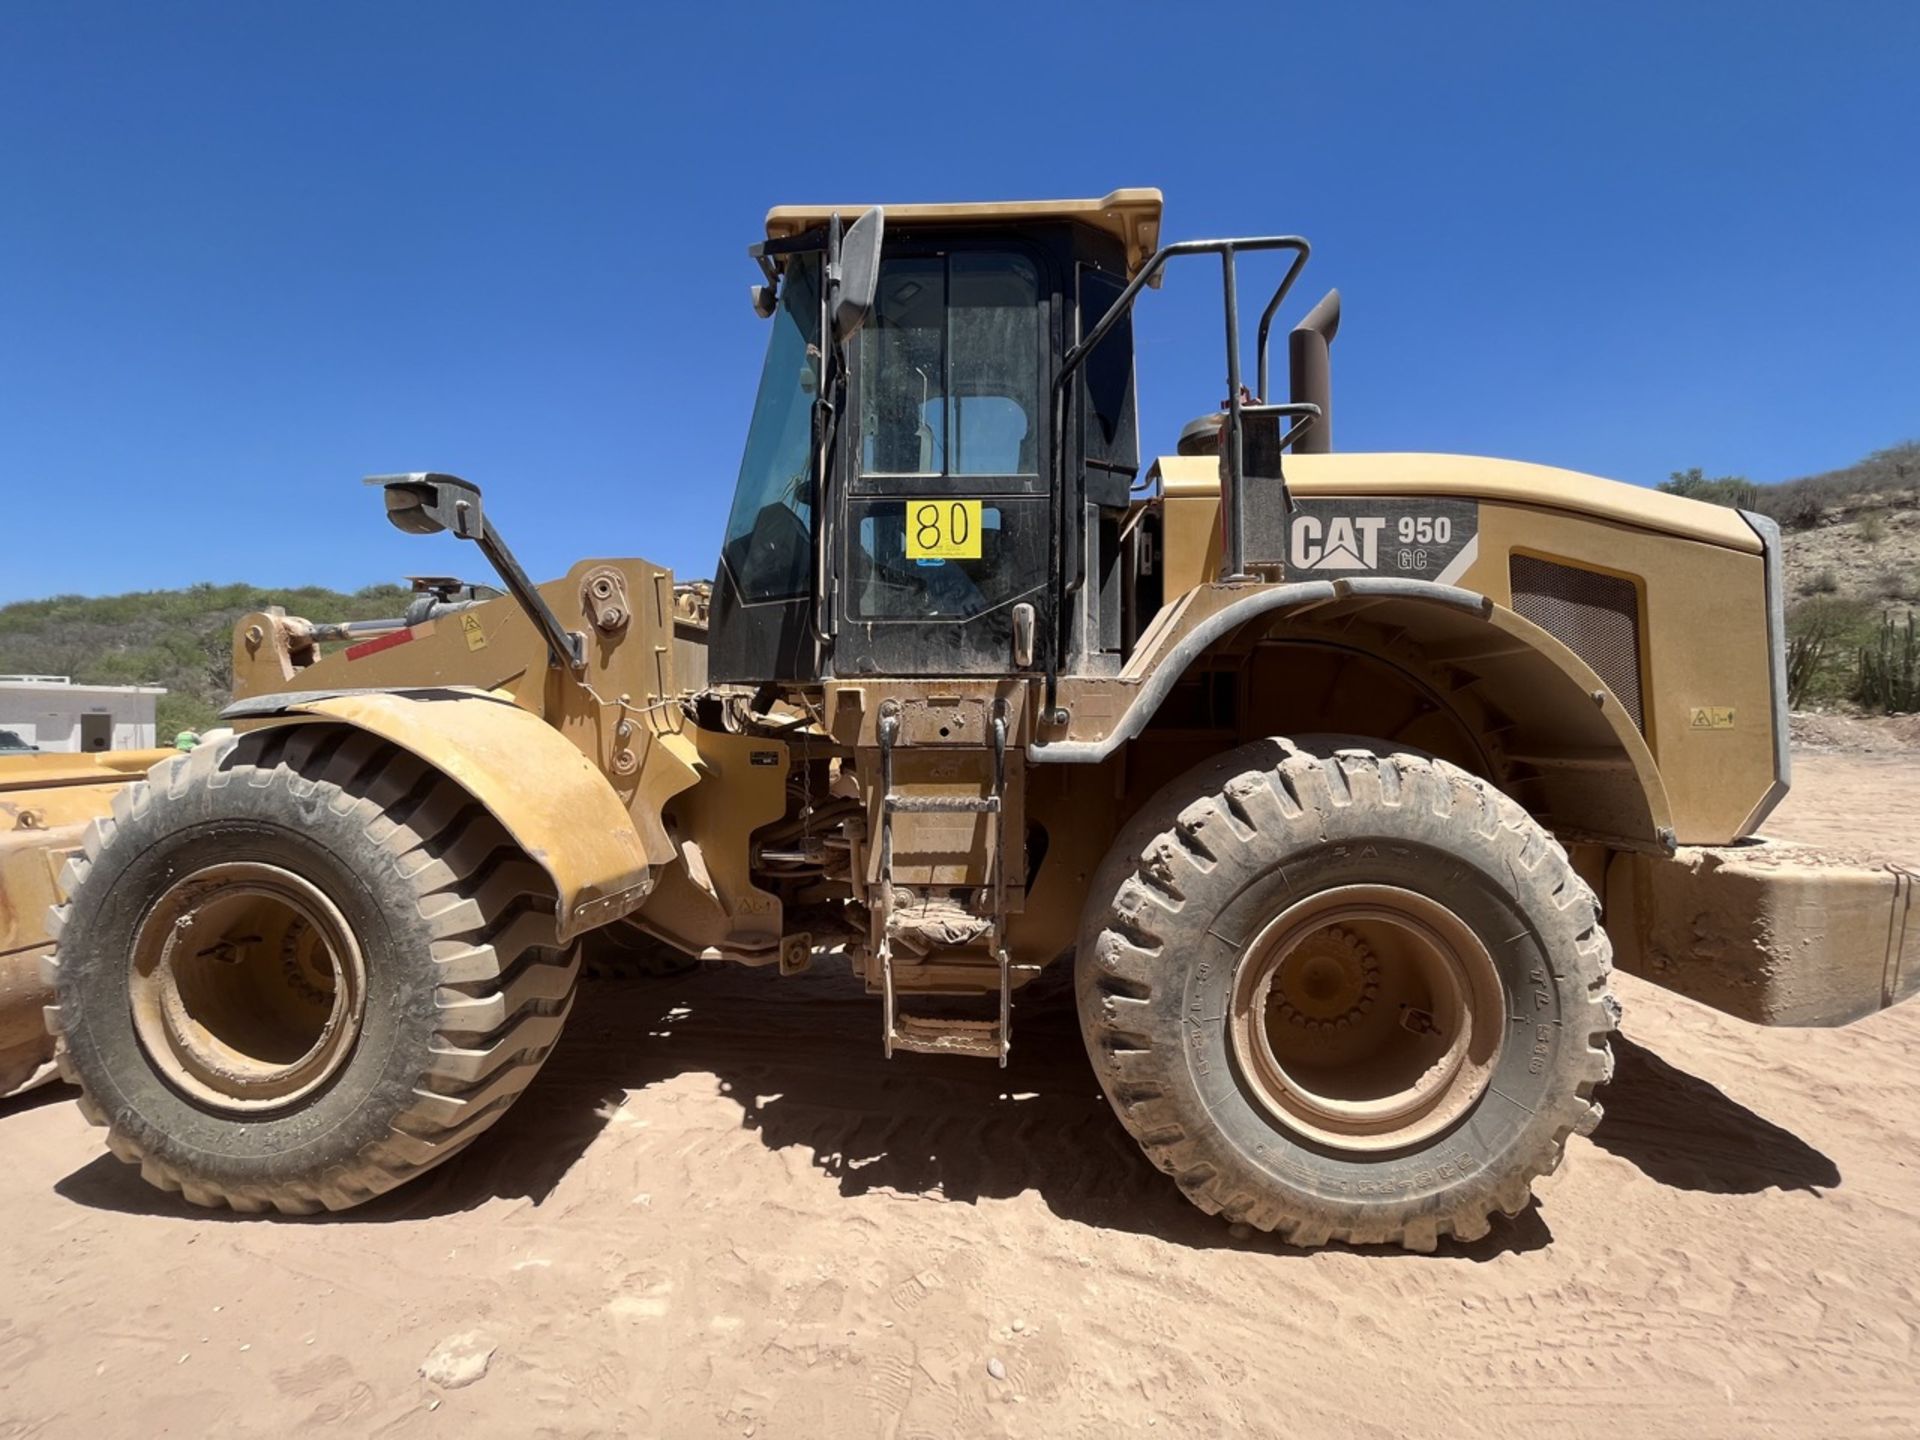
[415,958]
[1279,827]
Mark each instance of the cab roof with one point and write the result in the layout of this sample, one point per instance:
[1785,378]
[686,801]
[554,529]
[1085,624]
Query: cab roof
[1131,216]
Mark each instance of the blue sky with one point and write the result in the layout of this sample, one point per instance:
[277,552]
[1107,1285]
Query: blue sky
[250,253]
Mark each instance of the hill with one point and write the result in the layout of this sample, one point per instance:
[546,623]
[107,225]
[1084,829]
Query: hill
[1853,532]
[181,639]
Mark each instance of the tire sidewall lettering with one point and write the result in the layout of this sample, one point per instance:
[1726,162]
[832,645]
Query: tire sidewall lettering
[1491,1128]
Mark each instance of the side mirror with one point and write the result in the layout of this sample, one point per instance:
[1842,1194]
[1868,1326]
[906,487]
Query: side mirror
[427,503]
[853,272]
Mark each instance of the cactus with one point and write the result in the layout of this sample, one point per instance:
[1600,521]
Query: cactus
[1889,679]
[1805,652]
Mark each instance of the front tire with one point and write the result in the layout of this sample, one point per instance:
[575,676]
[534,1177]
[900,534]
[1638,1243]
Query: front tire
[1345,992]
[298,967]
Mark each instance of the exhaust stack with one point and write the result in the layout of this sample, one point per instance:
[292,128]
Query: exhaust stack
[1310,372]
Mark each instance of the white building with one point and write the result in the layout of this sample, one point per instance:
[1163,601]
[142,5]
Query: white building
[52,713]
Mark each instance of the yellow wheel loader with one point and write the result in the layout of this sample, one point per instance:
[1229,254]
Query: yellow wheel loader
[1339,780]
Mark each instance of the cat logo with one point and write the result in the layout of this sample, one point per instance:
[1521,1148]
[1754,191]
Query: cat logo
[1341,542]
[1431,538]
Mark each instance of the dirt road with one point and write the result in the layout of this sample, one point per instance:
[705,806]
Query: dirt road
[720,1212]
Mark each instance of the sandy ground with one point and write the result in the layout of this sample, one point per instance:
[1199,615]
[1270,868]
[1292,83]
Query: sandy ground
[721,1212]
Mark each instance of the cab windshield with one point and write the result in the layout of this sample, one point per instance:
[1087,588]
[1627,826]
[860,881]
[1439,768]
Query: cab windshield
[768,547]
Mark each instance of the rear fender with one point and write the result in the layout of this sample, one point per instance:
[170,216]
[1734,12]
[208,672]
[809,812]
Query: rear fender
[1571,753]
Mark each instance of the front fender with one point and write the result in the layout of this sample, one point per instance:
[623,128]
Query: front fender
[549,797]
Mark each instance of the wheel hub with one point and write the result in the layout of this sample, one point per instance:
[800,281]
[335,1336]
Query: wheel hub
[305,962]
[1366,1017]
[248,986]
[1330,983]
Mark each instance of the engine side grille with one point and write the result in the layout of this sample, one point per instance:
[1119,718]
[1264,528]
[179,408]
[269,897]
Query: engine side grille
[1596,616]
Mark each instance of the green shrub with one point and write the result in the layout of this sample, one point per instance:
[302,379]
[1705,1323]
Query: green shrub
[1733,490]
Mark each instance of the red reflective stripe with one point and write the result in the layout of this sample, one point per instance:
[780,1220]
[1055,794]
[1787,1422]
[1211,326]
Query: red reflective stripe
[373,647]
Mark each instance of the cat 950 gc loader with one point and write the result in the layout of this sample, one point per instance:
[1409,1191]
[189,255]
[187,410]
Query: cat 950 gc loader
[1340,780]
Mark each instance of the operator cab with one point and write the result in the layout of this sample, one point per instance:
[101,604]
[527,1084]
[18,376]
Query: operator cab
[897,511]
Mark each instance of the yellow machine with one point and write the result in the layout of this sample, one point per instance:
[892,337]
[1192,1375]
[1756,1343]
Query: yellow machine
[1316,767]
[46,804]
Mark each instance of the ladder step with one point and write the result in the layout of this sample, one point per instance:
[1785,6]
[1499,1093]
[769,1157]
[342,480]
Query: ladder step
[988,1039]
[936,1036]
[944,804]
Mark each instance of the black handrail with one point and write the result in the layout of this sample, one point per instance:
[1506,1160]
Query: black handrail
[1233,508]
[1266,319]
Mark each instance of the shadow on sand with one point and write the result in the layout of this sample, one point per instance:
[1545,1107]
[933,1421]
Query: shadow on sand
[51,1091]
[1681,1131]
[802,1059]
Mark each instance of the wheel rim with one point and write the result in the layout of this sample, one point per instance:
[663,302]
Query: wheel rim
[1367,1017]
[248,986]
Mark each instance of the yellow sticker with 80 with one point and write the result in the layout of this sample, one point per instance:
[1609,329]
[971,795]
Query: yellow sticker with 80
[943,529]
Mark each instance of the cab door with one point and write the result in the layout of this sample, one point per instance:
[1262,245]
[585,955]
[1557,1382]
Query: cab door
[946,516]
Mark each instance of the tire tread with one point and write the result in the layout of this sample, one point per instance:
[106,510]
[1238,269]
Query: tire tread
[507,991]
[1123,965]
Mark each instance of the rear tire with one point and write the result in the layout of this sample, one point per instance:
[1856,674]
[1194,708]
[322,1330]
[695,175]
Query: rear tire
[298,967]
[1345,992]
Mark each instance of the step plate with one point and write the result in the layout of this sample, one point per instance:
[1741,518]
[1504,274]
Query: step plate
[928,1036]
